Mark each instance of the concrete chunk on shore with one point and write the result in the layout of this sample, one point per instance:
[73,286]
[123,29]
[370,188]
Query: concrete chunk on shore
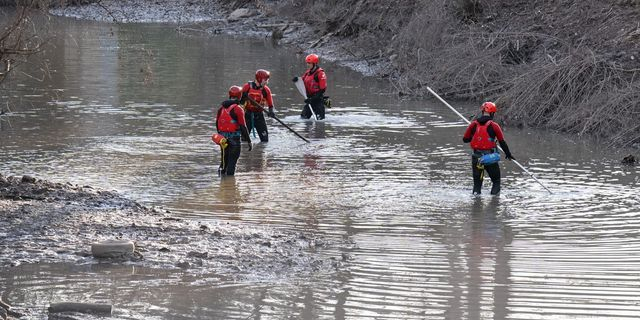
[112,248]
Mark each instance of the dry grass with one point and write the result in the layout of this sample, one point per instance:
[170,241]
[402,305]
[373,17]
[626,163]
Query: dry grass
[579,94]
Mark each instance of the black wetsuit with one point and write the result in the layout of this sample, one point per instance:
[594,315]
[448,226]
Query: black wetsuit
[317,103]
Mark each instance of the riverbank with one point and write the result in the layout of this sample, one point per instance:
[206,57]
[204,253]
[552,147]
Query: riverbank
[48,222]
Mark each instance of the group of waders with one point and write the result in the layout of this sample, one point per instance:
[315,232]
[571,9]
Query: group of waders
[244,112]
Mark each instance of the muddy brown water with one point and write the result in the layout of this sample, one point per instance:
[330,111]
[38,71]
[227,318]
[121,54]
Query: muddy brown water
[129,108]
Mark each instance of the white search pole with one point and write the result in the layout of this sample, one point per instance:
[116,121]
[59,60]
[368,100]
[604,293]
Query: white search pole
[468,122]
[303,92]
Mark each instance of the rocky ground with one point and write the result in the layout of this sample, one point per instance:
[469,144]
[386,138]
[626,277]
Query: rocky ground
[47,222]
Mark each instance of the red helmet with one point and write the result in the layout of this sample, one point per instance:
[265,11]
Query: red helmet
[489,107]
[312,58]
[262,75]
[235,92]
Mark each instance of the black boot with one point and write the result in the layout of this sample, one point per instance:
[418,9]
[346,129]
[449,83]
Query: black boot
[495,188]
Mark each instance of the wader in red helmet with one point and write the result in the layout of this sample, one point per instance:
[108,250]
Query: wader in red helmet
[482,134]
[230,124]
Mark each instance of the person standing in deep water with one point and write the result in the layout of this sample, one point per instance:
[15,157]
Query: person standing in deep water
[315,83]
[230,122]
[256,95]
[482,133]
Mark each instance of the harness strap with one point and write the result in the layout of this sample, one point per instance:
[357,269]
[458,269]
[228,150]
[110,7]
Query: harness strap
[481,168]
[222,165]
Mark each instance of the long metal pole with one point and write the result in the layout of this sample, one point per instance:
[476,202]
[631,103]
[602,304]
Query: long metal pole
[468,122]
[277,119]
[294,132]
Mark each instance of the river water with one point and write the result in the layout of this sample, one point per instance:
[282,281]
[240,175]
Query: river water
[130,108]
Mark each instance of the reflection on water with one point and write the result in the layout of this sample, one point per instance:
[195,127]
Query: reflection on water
[130,107]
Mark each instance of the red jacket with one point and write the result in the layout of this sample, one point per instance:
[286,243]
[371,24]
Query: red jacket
[230,117]
[483,134]
[314,81]
[262,95]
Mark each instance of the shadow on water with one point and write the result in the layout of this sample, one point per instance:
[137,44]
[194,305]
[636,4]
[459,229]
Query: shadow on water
[132,111]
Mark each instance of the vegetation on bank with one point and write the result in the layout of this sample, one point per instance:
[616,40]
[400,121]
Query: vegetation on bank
[571,66]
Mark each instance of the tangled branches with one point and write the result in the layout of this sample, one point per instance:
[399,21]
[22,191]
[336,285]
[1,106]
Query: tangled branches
[579,94]
[18,36]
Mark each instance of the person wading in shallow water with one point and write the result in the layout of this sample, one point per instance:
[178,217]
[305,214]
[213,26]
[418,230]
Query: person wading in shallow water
[256,95]
[482,133]
[230,123]
[315,83]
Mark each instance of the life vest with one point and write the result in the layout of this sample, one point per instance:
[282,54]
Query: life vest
[481,139]
[311,81]
[227,119]
[258,95]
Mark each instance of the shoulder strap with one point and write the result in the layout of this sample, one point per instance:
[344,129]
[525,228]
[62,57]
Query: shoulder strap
[232,113]
[230,110]
[490,130]
[315,75]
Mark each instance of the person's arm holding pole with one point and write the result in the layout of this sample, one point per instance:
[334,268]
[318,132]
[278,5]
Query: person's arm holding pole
[501,142]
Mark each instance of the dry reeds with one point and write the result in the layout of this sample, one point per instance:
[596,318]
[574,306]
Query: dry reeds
[579,94]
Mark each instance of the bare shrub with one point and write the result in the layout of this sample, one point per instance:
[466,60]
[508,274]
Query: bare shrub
[468,10]
[19,35]
[580,94]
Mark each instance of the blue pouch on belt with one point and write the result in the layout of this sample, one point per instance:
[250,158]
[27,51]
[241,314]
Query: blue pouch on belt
[489,158]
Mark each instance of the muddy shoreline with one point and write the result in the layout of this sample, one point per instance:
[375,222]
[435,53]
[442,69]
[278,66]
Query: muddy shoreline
[49,222]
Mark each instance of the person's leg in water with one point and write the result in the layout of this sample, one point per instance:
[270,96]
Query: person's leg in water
[494,173]
[261,126]
[477,175]
[318,108]
[306,112]
[231,155]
